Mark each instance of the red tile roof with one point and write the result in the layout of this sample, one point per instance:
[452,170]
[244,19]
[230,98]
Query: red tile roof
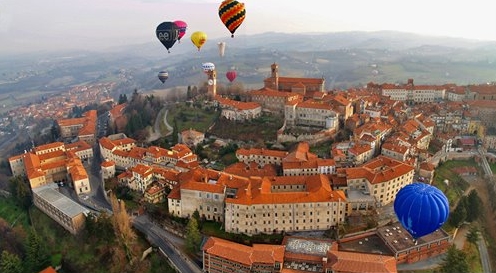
[242,254]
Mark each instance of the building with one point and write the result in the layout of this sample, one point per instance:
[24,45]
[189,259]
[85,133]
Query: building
[260,156]
[221,256]
[155,193]
[394,240]
[382,178]
[203,190]
[83,128]
[283,204]
[295,254]
[274,101]
[301,161]
[52,163]
[414,94]
[311,113]
[108,169]
[303,86]
[191,138]
[238,110]
[124,152]
[63,210]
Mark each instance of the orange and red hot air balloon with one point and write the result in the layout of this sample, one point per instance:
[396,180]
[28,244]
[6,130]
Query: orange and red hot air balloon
[232,13]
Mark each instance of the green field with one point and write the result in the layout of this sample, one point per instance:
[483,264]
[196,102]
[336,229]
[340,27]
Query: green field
[13,214]
[456,185]
[189,117]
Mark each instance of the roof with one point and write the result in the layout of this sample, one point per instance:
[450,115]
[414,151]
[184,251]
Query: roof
[242,254]
[64,204]
[343,261]
[48,270]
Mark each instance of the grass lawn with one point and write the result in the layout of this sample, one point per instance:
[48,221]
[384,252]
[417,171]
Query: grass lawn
[473,257]
[189,117]
[493,167]
[457,185]
[12,213]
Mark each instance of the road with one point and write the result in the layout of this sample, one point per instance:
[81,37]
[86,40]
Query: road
[481,244]
[165,241]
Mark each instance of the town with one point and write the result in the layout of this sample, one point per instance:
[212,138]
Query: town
[389,131]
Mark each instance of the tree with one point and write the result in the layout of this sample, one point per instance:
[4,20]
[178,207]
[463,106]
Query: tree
[122,226]
[37,257]
[458,216]
[10,263]
[21,192]
[122,98]
[473,235]
[193,236]
[455,261]
[473,206]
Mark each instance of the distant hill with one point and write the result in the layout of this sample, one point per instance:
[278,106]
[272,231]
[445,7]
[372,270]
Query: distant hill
[344,59]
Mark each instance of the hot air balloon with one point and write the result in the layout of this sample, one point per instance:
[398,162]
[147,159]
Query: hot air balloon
[421,208]
[198,38]
[163,76]
[232,13]
[182,28]
[208,67]
[167,33]
[222,48]
[231,75]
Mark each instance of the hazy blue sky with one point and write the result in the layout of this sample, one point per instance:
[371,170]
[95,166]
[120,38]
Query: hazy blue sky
[32,25]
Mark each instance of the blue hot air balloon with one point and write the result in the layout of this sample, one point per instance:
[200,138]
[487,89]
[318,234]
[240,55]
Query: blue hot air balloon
[421,208]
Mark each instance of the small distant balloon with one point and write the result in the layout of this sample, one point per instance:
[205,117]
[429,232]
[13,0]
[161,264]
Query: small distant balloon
[421,208]
[232,14]
[198,38]
[208,67]
[222,48]
[167,33]
[182,26]
[231,75]
[163,76]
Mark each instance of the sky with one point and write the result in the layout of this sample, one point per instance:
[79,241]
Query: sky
[36,25]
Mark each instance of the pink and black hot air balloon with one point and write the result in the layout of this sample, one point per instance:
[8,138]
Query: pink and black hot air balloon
[182,28]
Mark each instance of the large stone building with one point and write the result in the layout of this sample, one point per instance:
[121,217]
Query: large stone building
[274,101]
[63,210]
[303,86]
[52,163]
[284,204]
[414,94]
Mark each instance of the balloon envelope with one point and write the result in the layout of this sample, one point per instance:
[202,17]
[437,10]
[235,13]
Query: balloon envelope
[163,76]
[222,48]
[167,33]
[421,208]
[231,75]
[208,67]
[232,14]
[198,38]
[182,26]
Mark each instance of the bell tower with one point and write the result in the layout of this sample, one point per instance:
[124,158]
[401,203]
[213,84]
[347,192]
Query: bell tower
[212,83]
[274,75]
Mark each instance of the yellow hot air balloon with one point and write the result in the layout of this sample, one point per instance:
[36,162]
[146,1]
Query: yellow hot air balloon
[198,38]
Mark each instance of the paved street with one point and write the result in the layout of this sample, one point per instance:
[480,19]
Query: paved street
[165,241]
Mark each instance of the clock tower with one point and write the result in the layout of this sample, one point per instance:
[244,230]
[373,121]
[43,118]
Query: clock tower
[212,83]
